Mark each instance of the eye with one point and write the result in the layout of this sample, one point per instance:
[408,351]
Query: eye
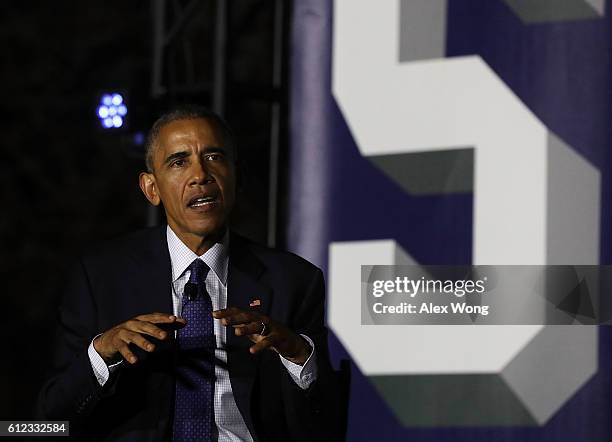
[178,163]
[213,156]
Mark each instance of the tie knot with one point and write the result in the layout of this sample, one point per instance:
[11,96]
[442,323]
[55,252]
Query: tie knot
[198,271]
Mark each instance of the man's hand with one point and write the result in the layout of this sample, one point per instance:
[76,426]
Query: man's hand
[277,337]
[115,342]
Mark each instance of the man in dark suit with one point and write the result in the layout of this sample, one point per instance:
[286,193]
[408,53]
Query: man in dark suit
[187,331]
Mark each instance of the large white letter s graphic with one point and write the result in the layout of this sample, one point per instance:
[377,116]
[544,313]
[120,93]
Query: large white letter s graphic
[535,202]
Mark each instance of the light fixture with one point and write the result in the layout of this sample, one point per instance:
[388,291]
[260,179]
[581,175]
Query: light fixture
[112,110]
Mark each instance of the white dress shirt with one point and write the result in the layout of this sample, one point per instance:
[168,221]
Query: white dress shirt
[229,421]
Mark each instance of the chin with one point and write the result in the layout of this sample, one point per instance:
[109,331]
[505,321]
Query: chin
[209,229]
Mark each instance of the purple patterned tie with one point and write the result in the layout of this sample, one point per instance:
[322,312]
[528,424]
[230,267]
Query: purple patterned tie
[194,418]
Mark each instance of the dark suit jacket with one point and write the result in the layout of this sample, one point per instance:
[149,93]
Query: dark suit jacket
[132,276]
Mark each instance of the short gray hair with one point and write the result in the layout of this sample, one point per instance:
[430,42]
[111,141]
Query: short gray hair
[188,112]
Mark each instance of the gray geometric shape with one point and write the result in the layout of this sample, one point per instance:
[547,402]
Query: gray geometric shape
[539,11]
[422,29]
[572,291]
[578,302]
[573,212]
[519,395]
[452,400]
[573,347]
[430,172]
[598,5]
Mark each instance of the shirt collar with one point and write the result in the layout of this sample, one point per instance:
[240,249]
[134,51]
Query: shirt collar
[182,256]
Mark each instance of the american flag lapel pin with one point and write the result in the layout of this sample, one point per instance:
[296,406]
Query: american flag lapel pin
[255,303]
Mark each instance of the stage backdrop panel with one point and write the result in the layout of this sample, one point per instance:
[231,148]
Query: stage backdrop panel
[456,132]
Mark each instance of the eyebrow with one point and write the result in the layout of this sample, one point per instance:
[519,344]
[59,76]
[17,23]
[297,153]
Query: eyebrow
[185,154]
[214,149]
[176,156]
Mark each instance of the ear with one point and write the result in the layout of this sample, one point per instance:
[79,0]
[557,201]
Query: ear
[149,187]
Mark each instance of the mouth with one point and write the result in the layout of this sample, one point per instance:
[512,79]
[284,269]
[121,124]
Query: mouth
[200,201]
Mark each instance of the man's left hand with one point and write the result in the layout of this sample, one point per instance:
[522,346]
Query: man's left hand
[265,333]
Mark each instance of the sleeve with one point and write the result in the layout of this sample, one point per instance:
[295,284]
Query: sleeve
[99,367]
[314,413]
[303,375]
[73,390]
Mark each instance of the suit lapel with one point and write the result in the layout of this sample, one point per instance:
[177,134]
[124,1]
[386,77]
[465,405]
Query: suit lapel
[152,292]
[244,278]
[155,266]
[244,287]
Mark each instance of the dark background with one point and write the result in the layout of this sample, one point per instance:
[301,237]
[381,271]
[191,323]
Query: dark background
[66,183]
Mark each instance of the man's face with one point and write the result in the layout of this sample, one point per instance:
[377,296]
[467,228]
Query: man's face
[194,177]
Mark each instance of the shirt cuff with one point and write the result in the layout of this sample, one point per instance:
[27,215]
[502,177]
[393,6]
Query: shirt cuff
[303,375]
[100,369]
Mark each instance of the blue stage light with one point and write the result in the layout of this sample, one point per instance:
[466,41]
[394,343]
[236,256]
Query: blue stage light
[112,111]
[117,99]
[102,111]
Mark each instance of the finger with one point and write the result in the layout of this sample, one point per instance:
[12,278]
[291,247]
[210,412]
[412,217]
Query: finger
[178,322]
[159,318]
[127,354]
[267,342]
[161,331]
[138,340]
[252,328]
[157,330]
[237,317]
[171,328]
[227,312]
[255,338]
[148,328]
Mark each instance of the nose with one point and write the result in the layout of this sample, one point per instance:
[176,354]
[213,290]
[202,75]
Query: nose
[200,173]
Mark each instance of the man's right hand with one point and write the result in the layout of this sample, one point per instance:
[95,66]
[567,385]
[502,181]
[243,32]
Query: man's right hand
[114,343]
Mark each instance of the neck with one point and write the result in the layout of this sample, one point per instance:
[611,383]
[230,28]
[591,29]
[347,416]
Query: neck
[200,244]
